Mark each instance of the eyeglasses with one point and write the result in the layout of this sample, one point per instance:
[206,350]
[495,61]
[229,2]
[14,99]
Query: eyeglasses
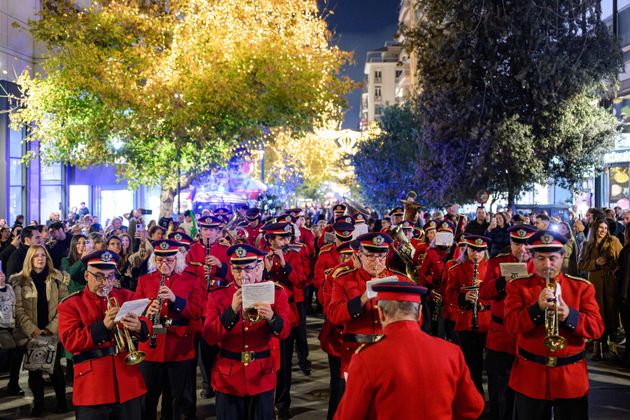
[101,278]
[247,269]
[374,257]
[164,260]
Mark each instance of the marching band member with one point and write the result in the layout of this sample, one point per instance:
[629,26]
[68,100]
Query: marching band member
[244,375]
[389,379]
[501,345]
[105,386]
[169,365]
[253,217]
[552,315]
[462,290]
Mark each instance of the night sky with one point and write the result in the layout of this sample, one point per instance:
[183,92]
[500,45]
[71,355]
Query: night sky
[360,26]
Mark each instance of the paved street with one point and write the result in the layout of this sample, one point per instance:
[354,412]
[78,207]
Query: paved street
[610,391]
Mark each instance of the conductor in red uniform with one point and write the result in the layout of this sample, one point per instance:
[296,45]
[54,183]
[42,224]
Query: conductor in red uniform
[350,306]
[244,376]
[105,387]
[542,378]
[408,374]
[169,364]
[501,345]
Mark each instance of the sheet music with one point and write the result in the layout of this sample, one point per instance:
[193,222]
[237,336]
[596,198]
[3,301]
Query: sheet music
[444,239]
[132,307]
[264,292]
[513,271]
[370,284]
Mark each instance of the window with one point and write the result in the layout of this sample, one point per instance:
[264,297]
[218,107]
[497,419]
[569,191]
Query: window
[377,93]
[17,175]
[378,76]
[398,74]
[378,110]
[51,190]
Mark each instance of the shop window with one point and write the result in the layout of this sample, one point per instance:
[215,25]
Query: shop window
[619,187]
[17,175]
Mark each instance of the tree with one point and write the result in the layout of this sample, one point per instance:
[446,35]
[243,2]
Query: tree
[151,85]
[384,163]
[509,94]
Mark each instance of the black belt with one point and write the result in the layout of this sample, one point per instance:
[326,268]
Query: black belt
[246,356]
[497,319]
[217,283]
[362,338]
[94,354]
[550,360]
[179,322]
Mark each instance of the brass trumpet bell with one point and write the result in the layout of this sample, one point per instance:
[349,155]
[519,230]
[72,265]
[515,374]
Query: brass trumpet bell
[123,339]
[251,314]
[555,342]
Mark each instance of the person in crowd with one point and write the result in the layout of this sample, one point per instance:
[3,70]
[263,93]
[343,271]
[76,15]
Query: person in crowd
[5,237]
[59,243]
[623,287]
[542,221]
[571,254]
[385,378]
[39,288]
[550,375]
[30,236]
[19,220]
[599,258]
[578,234]
[498,233]
[83,210]
[480,225]
[7,326]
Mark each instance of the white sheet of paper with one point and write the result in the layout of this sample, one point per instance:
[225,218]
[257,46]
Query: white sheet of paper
[370,283]
[444,239]
[132,307]
[513,271]
[264,292]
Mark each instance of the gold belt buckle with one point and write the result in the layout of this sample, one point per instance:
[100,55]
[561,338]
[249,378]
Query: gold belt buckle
[247,357]
[551,361]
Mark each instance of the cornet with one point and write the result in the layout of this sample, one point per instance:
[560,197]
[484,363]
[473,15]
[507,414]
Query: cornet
[553,340]
[123,338]
[251,314]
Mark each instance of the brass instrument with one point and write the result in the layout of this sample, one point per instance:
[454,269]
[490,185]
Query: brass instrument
[405,251]
[230,229]
[355,208]
[553,340]
[411,208]
[123,338]
[474,288]
[251,314]
[158,326]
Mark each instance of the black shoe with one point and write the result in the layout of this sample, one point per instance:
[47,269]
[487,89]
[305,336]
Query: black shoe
[283,415]
[305,367]
[62,407]
[37,411]
[13,392]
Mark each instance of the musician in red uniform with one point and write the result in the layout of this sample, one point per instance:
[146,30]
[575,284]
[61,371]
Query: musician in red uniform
[350,306]
[544,379]
[169,364]
[338,211]
[253,225]
[328,255]
[208,259]
[244,375]
[474,313]
[501,345]
[396,215]
[283,265]
[105,387]
[392,378]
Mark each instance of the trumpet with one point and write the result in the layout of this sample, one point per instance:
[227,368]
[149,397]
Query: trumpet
[251,314]
[553,340]
[123,338]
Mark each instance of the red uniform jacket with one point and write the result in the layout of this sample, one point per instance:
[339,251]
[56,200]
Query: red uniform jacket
[380,386]
[227,329]
[493,288]
[327,259]
[432,269]
[178,343]
[291,278]
[102,380]
[308,239]
[461,275]
[196,258]
[252,233]
[345,308]
[524,318]
[331,336]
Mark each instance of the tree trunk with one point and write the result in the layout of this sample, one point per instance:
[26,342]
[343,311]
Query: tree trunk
[511,198]
[167,198]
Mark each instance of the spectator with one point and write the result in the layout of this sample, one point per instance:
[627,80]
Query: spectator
[614,227]
[542,221]
[571,251]
[96,228]
[479,226]
[83,211]
[38,289]
[60,244]
[498,232]
[19,220]
[7,324]
[578,232]
[30,236]
[5,237]
[53,217]
[623,278]
[599,257]
[76,251]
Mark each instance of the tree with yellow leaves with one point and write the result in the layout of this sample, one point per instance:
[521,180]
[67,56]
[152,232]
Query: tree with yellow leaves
[149,86]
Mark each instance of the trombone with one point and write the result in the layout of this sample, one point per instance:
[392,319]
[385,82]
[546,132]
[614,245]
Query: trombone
[123,338]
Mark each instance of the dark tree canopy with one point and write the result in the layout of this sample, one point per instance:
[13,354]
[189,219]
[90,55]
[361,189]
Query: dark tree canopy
[510,94]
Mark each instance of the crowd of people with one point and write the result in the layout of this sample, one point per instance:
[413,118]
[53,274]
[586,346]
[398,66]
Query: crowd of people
[433,283]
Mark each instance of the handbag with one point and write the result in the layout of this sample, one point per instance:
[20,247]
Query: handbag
[41,353]
[6,339]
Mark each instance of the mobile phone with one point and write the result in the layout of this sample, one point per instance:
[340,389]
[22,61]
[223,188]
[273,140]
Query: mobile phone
[139,227]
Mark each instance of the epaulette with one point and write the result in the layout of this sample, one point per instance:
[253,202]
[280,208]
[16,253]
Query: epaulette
[326,248]
[343,270]
[278,285]
[521,278]
[78,292]
[453,266]
[365,345]
[502,254]
[577,278]
[195,264]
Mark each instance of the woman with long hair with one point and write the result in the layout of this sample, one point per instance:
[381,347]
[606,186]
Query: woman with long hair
[77,250]
[39,288]
[498,233]
[623,278]
[599,258]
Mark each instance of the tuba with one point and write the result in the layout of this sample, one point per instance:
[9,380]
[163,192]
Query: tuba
[354,208]
[553,340]
[123,338]
[411,208]
[405,251]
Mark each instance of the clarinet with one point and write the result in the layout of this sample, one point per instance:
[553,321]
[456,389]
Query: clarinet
[475,321]
[208,280]
[155,320]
